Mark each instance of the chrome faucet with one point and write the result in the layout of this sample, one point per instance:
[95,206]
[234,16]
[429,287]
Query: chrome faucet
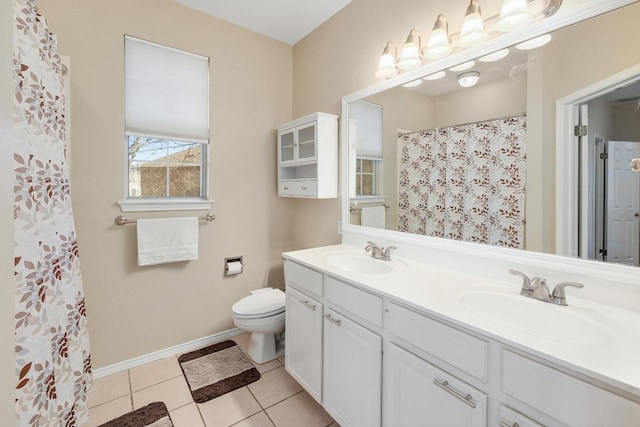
[378,252]
[537,288]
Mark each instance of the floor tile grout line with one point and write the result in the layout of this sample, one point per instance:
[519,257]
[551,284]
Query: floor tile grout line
[280,401]
[267,415]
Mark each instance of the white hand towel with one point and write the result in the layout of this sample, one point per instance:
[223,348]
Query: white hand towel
[167,240]
[373,217]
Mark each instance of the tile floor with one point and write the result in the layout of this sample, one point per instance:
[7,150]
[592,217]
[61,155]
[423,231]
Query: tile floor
[275,400]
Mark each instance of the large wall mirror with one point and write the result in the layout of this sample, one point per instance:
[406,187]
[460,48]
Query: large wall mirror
[469,153]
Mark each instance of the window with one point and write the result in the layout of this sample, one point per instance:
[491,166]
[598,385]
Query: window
[166,127]
[367,177]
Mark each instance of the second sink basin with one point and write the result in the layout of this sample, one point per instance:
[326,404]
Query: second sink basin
[359,263]
[535,317]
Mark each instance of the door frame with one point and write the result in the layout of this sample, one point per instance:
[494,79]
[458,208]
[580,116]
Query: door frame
[567,156]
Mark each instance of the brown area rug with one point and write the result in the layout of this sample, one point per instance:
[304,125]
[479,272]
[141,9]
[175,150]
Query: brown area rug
[215,370]
[153,415]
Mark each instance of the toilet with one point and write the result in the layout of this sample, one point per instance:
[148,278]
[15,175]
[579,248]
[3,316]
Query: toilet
[262,314]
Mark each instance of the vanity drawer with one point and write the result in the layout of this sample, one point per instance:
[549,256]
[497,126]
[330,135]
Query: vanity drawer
[302,277]
[511,418]
[449,344]
[563,397]
[363,304]
[298,188]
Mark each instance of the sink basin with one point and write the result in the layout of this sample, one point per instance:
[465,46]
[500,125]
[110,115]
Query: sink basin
[359,263]
[537,318]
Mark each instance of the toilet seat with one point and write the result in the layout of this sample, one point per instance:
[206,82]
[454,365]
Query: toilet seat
[261,304]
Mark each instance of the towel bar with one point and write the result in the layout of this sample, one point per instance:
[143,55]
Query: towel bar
[122,220]
[354,210]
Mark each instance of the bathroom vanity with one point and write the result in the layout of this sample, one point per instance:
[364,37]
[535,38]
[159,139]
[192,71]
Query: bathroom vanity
[402,343]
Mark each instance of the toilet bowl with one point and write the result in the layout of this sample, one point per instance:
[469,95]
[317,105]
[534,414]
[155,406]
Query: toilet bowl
[262,314]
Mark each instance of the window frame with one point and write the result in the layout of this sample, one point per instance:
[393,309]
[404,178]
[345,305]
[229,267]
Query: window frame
[153,204]
[375,174]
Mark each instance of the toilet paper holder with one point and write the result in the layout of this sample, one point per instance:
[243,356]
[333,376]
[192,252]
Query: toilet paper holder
[231,266]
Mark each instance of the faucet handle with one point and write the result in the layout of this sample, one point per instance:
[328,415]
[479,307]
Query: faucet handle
[370,245]
[526,282]
[558,296]
[387,253]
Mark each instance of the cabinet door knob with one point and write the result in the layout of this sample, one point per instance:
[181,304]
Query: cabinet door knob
[306,304]
[304,188]
[286,188]
[332,320]
[466,398]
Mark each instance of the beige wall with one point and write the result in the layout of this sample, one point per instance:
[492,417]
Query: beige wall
[7,324]
[340,57]
[137,310]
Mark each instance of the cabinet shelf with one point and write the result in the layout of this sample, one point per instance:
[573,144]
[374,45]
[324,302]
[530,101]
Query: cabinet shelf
[308,155]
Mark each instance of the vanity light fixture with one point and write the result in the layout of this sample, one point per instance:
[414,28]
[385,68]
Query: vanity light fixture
[435,76]
[387,66]
[439,44]
[513,15]
[495,56]
[468,79]
[472,31]
[410,57]
[464,66]
[413,83]
[534,43]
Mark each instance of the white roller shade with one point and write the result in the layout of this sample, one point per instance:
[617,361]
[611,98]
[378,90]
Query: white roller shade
[366,118]
[166,92]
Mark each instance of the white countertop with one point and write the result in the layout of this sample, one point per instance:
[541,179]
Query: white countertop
[613,359]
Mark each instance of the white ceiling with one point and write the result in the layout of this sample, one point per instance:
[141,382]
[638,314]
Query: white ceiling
[285,20]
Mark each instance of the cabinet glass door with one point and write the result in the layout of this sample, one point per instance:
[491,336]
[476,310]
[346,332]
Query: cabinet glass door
[307,143]
[286,147]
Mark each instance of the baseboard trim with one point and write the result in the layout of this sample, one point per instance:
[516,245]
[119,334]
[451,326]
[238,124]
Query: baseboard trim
[180,348]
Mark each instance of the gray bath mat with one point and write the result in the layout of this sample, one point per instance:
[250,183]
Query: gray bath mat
[215,370]
[153,415]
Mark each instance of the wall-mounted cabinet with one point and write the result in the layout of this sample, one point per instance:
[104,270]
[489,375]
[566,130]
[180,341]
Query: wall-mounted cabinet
[308,157]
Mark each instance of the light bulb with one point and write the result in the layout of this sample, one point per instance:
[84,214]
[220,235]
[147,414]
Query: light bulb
[410,57]
[387,65]
[472,31]
[514,14]
[439,44]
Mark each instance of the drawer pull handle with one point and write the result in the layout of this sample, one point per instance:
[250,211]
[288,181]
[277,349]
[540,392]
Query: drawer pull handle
[446,387]
[505,424]
[306,304]
[286,188]
[332,320]
[304,188]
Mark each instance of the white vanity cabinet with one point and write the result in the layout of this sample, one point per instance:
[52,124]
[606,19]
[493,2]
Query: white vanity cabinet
[352,372]
[335,358]
[303,350]
[308,157]
[419,394]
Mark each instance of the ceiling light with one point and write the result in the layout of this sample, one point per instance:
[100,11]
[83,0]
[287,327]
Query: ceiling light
[387,66]
[468,79]
[514,14]
[463,66]
[439,44]
[410,57]
[534,43]
[435,76]
[413,83]
[472,31]
[495,56]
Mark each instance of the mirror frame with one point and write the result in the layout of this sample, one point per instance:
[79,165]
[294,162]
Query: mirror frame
[561,19]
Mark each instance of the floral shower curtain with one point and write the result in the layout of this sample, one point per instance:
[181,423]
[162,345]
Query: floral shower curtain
[53,368]
[465,182]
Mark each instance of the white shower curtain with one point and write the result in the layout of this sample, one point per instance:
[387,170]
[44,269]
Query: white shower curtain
[53,363]
[465,182]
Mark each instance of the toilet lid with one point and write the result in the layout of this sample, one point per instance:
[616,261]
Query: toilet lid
[260,304]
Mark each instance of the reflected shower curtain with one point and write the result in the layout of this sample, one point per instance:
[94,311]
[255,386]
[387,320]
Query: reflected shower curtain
[465,182]
[53,368]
